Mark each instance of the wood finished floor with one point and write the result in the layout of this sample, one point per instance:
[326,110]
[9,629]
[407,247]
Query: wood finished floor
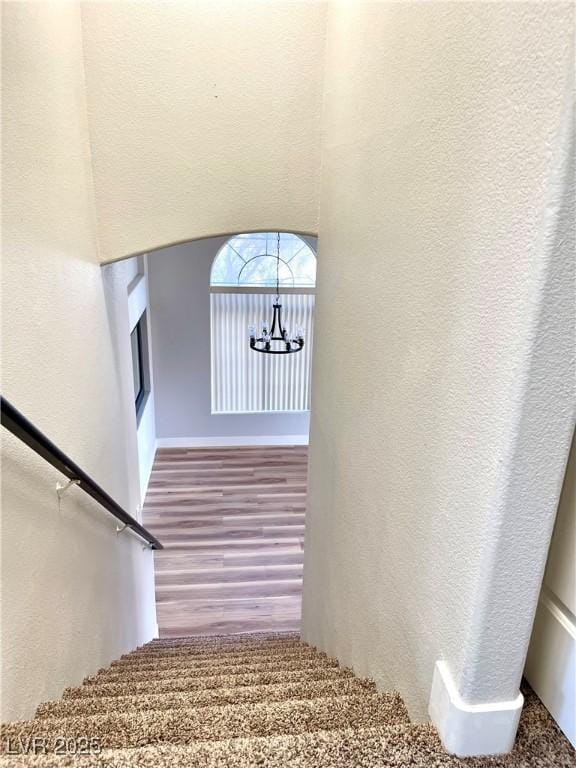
[232,524]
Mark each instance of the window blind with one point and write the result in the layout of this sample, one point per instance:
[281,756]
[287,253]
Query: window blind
[245,381]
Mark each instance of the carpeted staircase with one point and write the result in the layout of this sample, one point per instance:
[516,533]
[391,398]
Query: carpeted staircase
[245,700]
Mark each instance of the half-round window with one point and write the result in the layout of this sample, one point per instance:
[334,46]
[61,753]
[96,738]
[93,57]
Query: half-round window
[249,260]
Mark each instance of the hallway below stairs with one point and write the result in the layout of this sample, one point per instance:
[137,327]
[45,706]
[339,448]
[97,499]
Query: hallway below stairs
[232,524]
[265,700]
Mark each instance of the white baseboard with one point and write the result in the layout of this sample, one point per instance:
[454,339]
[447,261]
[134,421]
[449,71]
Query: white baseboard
[223,442]
[551,663]
[471,729]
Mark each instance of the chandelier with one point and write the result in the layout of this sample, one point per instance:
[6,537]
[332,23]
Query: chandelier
[275,339]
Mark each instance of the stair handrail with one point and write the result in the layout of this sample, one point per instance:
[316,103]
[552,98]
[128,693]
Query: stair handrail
[28,433]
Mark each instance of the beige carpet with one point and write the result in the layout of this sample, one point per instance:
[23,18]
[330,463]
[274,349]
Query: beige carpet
[246,700]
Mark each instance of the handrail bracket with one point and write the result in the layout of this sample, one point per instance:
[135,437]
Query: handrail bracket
[61,489]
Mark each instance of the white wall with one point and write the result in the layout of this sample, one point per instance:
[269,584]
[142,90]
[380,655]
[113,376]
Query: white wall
[551,661]
[138,304]
[204,118]
[74,594]
[179,279]
[128,283]
[444,356]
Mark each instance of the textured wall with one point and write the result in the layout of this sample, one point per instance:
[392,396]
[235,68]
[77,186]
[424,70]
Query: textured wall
[180,315]
[204,118]
[444,362]
[74,595]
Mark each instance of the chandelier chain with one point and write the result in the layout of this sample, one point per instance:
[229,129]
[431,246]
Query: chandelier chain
[278,268]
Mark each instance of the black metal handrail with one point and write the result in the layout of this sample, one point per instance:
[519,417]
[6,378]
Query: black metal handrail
[19,425]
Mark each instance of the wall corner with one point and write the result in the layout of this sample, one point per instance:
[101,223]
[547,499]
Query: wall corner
[468,730]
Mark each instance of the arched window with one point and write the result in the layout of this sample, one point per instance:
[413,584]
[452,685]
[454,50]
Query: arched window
[242,288]
[250,261]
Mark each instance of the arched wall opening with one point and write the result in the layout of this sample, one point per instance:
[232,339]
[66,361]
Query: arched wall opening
[195,398]
[309,236]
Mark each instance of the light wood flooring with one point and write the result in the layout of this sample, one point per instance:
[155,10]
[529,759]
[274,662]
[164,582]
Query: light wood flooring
[232,524]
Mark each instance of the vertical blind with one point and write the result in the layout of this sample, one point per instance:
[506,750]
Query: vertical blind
[245,381]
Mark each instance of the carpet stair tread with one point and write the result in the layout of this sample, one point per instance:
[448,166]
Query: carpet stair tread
[210,697]
[223,641]
[183,660]
[184,726]
[194,683]
[210,652]
[204,670]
